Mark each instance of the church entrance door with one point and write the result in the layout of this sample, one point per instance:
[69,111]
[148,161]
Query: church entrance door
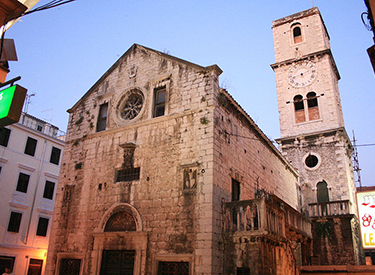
[117,262]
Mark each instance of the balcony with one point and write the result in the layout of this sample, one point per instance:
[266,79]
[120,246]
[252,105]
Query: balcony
[331,208]
[265,216]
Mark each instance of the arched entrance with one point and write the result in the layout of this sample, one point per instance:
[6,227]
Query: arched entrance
[119,243]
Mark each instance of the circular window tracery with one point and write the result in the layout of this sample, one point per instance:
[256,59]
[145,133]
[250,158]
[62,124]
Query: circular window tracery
[130,105]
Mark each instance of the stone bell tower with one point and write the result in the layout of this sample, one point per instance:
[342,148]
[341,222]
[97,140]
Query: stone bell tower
[313,136]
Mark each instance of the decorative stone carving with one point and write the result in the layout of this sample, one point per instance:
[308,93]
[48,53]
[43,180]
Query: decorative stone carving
[120,221]
[190,177]
[128,156]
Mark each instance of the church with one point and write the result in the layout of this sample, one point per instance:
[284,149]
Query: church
[165,173]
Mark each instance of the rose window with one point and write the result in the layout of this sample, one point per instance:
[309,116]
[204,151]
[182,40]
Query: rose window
[130,105]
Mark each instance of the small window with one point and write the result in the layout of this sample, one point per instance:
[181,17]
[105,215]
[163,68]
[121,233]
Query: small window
[236,192]
[30,146]
[49,189]
[14,222]
[35,267]
[297,35]
[312,104]
[102,117]
[298,103]
[299,109]
[70,266]
[23,183]
[55,155]
[42,227]
[128,174]
[159,105]
[4,136]
[39,128]
[311,161]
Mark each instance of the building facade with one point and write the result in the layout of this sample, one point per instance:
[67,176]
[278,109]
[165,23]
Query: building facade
[164,173]
[29,168]
[313,136]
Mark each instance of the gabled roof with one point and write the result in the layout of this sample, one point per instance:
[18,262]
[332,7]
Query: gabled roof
[131,49]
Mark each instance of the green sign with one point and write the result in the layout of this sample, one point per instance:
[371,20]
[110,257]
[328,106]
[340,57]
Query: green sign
[11,103]
[6,98]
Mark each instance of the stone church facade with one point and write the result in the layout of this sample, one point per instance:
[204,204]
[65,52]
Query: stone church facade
[164,173]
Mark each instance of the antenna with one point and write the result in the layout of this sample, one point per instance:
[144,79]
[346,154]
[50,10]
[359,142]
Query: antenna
[356,168]
[27,102]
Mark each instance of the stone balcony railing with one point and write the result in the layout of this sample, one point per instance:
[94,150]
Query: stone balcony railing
[264,216]
[331,208]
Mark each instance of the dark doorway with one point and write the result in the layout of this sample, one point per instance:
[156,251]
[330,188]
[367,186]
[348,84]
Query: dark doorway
[322,194]
[323,198]
[117,262]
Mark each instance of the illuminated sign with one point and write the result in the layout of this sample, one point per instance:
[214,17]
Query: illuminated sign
[366,211]
[11,103]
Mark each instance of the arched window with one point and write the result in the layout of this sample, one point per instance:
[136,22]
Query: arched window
[312,104]
[297,33]
[299,109]
[323,198]
[120,221]
[322,191]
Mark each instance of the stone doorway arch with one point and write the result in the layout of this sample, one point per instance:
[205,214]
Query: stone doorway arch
[120,229]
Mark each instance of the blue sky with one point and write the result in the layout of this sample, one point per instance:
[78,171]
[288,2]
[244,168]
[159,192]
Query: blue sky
[63,51]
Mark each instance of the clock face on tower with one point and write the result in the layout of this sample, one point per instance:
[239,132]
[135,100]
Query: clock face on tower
[301,74]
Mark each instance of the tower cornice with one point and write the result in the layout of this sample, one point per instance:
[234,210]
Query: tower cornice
[308,136]
[310,56]
[297,16]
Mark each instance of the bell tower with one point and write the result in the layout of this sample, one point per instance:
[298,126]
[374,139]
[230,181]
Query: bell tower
[313,136]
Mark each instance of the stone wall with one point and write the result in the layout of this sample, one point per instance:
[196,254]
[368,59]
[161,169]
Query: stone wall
[336,241]
[187,158]
[175,219]
[333,151]
[260,254]
[242,153]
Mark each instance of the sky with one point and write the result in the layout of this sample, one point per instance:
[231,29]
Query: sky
[63,51]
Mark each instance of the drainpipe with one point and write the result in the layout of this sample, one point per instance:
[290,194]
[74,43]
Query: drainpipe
[35,192]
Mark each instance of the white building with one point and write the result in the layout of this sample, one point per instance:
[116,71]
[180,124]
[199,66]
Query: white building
[29,167]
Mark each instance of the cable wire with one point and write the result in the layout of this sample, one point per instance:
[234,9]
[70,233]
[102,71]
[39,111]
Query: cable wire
[307,143]
[49,5]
